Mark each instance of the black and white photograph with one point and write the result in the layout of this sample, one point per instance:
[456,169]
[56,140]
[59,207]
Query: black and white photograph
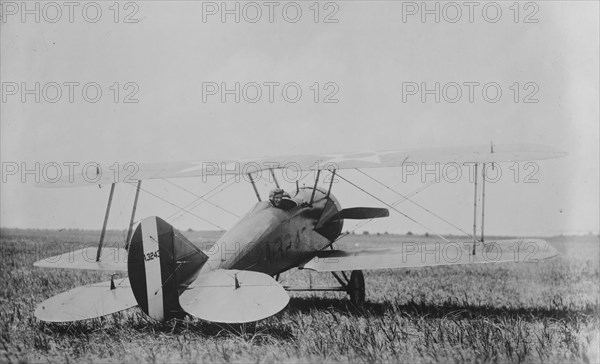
[308,181]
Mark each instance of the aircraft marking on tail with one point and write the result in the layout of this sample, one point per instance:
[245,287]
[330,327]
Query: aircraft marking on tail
[153,271]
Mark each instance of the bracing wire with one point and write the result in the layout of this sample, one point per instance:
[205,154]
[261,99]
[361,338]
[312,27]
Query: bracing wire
[198,201]
[394,208]
[416,204]
[415,192]
[181,208]
[202,198]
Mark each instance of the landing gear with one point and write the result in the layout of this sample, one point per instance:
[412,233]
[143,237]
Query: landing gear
[356,288]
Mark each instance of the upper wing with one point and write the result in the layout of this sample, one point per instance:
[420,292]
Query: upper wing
[409,255]
[131,172]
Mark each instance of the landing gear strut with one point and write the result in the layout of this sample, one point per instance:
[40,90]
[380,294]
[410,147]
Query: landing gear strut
[354,286]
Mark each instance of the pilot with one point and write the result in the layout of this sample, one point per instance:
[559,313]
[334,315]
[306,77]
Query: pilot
[276,195]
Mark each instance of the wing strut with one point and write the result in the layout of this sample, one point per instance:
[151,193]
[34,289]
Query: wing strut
[312,197]
[112,191]
[330,183]
[483,192]
[254,186]
[475,211]
[135,201]
[274,178]
[482,198]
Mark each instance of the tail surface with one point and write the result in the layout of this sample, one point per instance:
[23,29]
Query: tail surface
[161,263]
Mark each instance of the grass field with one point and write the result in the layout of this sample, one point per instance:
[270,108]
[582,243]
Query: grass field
[502,312]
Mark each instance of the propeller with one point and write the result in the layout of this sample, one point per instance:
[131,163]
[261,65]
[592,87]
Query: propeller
[331,221]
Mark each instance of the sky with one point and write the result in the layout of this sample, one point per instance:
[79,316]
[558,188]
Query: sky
[367,75]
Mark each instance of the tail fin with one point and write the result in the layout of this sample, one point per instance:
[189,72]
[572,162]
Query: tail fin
[161,260]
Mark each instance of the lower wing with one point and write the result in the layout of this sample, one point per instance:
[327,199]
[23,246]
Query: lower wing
[409,255]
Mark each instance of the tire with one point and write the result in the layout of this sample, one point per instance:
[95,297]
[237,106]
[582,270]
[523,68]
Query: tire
[356,288]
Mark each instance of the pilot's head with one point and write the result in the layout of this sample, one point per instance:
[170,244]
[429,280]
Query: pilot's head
[275,196]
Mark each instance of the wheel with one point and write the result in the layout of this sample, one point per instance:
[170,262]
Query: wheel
[356,288]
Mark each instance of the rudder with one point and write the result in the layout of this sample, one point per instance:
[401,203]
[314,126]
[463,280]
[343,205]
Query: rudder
[161,262]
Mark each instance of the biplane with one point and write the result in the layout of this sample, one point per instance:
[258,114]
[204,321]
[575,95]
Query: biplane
[237,279]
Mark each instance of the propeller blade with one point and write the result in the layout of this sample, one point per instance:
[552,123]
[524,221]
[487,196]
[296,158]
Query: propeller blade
[362,213]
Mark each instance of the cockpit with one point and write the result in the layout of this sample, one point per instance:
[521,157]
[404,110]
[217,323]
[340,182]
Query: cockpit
[281,199]
[287,203]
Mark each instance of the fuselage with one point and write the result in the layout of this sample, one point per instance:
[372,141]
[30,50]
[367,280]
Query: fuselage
[272,240]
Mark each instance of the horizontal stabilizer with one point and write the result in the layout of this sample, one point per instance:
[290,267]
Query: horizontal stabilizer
[362,213]
[415,254]
[112,259]
[233,296]
[87,302]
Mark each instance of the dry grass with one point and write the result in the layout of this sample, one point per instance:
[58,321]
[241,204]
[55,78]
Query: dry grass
[497,312]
